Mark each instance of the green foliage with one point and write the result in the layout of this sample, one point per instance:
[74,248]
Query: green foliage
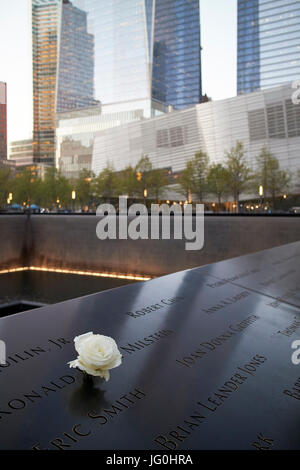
[106,184]
[239,173]
[152,180]
[186,179]
[298,180]
[198,177]
[55,190]
[23,187]
[131,181]
[143,171]
[199,182]
[193,178]
[128,182]
[270,176]
[84,187]
[5,185]
[158,181]
[217,181]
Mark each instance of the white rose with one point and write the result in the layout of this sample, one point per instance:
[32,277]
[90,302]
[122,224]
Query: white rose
[96,354]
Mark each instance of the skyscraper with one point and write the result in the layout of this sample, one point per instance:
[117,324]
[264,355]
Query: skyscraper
[44,54]
[3,122]
[146,49]
[176,77]
[63,68]
[268,43]
[75,81]
[111,51]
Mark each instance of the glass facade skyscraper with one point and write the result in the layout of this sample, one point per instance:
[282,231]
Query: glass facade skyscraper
[87,52]
[176,77]
[44,55]
[76,60]
[268,43]
[3,122]
[63,68]
[146,49]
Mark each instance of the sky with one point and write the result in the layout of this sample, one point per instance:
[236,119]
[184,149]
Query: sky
[218,37]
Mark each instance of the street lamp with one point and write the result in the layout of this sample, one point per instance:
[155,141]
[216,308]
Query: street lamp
[73,199]
[261,193]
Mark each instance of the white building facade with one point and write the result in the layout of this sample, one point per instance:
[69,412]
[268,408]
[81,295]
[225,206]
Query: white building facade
[264,118]
[76,130]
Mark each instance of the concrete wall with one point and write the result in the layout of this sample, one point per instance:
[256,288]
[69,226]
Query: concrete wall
[71,242]
[14,230]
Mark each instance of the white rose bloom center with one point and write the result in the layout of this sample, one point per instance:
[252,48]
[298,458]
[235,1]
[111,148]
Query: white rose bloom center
[97,354]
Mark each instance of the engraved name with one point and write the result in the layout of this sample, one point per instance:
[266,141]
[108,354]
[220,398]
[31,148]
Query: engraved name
[16,404]
[290,329]
[225,302]
[294,392]
[147,341]
[31,353]
[153,308]
[279,278]
[69,438]
[247,273]
[191,423]
[211,345]
[263,442]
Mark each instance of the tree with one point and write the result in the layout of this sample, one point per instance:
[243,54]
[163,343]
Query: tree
[54,190]
[157,182]
[238,172]
[37,194]
[128,182]
[5,185]
[200,169]
[269,175]
[23,187]
[217,181]
[143,175]
[279,181]
[193,178]
[84,186]
[186,179]
[298,181]
[153,180]
[106,184]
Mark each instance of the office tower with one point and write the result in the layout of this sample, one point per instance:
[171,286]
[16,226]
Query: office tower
[87,52]
[268,43]
[3,122]
[176,77]
[75,81]
[146,49]
[21,153]
[63,68]
[44,54]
